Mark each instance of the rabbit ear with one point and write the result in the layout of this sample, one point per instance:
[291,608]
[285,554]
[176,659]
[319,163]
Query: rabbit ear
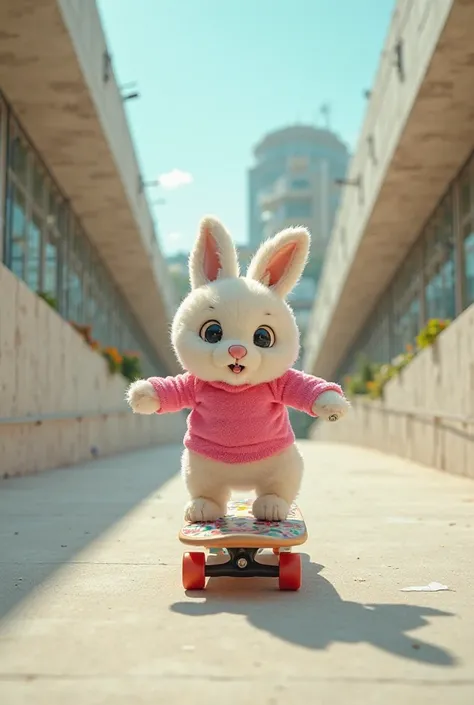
[280,261]
[213,256]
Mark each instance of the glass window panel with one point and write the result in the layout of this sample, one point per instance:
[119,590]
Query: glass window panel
[19,159]
[34,253]
[468,238]
[440,268]
[51,264]
[17,230]
[298,209]
[466,191]
[75,297]
[38,184]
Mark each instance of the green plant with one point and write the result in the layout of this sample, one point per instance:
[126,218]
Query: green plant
[360,381]
[430,332]
[371,379]
[131,366]
[49,298]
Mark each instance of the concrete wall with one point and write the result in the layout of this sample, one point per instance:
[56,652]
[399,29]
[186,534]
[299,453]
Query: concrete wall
[427,413]
[58,403]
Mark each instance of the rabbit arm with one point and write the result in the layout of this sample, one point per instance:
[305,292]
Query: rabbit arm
[174,393]
[309,394]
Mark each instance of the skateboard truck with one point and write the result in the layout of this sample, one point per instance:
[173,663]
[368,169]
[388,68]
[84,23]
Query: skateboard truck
[242,563]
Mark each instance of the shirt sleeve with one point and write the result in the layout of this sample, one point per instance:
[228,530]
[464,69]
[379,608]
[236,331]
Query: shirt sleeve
[300,390]
[175,393]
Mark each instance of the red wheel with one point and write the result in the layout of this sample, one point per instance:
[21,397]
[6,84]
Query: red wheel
[290,571]
[194,567]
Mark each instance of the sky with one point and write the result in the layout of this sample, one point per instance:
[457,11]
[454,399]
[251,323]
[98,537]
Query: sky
[215,75]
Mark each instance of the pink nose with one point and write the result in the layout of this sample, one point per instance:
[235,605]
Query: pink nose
[237,351]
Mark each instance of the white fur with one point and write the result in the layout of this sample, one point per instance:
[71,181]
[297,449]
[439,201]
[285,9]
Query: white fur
[212,234]
[240,305]
[142,397]
[276,481]
[297,240]
[329,405]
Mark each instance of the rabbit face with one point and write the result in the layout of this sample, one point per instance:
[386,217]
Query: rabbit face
[239,330]
[235,331]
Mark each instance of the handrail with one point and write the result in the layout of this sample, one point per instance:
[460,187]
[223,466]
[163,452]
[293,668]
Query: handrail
[421,413]
[39,419]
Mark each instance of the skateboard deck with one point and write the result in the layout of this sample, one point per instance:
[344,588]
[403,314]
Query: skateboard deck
[239,528]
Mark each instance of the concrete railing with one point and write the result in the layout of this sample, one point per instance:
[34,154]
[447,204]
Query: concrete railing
[427,413]
[59,405]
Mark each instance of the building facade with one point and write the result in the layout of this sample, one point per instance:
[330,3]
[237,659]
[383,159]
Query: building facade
[46,245]
[402,247]
[292,182]
[77,245]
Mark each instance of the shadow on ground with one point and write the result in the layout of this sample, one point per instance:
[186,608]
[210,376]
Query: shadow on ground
[46,520]
[317,616]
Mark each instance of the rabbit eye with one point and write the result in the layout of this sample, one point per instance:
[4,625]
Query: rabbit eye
[211,332]
[264,337]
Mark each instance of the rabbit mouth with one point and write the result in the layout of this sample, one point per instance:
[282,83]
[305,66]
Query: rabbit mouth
[236,368]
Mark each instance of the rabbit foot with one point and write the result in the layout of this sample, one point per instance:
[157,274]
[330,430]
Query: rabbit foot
[202,509]
[270,507]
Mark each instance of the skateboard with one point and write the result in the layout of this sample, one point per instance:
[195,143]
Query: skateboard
[241,537]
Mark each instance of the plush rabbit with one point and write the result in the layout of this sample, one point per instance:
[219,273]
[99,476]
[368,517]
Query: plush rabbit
[237,339]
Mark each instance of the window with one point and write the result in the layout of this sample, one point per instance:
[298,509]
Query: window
[75,285]
[19,158]
[468,247]
[406,301]
[51,263]
[46,247]
[33,258]
[298,209]
[436,259]
[439,263]
[466,199]
[300,183]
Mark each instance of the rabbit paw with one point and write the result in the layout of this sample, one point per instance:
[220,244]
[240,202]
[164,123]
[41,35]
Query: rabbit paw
[270,507]
[142,397]
[330,406]
[202,509]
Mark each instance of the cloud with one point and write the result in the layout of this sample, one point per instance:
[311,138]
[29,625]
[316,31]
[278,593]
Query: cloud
[174,238]
[175,178]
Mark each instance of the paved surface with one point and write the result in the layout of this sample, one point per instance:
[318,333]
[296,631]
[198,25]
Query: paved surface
[92,610]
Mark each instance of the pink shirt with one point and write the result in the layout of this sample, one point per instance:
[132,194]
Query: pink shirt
[239,424]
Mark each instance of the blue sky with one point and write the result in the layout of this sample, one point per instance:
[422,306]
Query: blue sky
[215,75]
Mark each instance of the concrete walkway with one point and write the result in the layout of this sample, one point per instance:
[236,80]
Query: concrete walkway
[92,610]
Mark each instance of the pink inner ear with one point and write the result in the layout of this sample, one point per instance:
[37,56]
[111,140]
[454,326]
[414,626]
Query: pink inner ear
[279,263]
[211,263]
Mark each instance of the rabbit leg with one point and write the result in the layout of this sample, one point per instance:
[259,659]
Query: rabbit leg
[278,484]
[206,486]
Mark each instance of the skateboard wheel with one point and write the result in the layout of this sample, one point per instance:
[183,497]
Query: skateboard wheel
[290,571]
[194,571]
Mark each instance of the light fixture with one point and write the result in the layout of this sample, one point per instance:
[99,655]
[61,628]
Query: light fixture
[106,66]
[130,91]
[349,182]
[398,62]
[146,184]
